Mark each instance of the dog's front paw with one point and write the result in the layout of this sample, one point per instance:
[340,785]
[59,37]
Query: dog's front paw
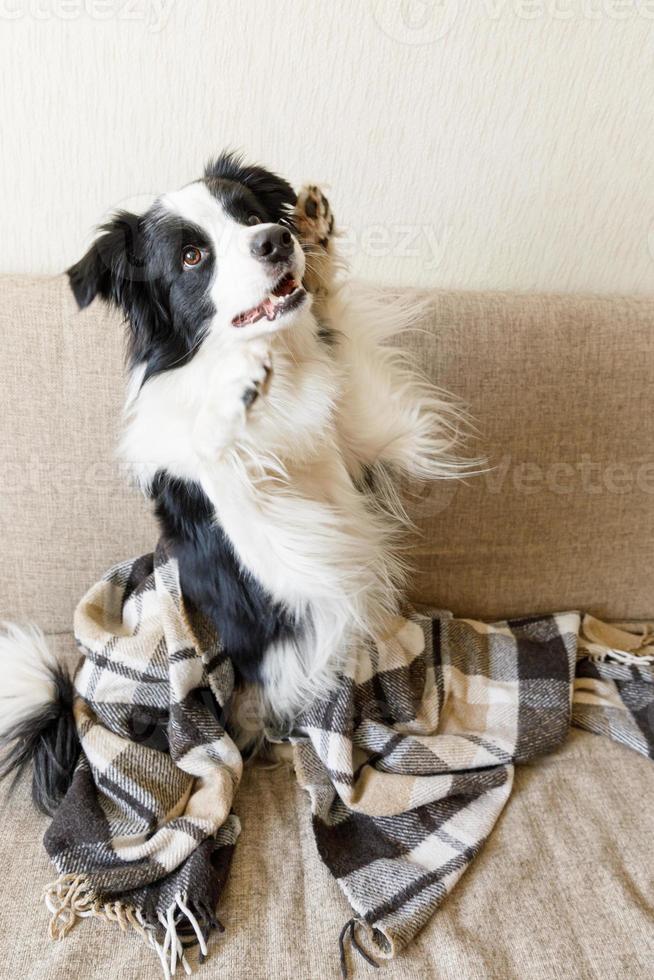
[313,216]
[258,383]
[244,378]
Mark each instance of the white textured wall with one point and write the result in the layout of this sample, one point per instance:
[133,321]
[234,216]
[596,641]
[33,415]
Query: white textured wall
[507,143]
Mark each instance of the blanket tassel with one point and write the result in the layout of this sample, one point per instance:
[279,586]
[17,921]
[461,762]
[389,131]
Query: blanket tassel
[349,932]
[71,897]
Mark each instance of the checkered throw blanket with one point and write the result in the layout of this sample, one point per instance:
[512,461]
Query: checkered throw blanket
[408,764]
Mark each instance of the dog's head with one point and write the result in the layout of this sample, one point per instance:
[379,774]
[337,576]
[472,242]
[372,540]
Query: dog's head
[218,256]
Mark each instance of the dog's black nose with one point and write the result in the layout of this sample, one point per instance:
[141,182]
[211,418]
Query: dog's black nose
[272,244]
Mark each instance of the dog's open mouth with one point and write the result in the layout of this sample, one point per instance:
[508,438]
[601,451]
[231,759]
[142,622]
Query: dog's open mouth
[286,296]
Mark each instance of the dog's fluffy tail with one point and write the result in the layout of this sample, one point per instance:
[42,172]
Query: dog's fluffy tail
[36,716]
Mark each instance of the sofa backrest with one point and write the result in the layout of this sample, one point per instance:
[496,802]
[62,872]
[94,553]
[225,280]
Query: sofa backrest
[560,389]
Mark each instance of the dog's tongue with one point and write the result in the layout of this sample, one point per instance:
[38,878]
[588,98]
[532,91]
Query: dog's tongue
[268,308]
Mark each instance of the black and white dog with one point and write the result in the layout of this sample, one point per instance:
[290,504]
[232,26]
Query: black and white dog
[267,416]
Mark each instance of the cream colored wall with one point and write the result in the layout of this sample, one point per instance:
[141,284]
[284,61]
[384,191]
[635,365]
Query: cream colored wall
[479,143]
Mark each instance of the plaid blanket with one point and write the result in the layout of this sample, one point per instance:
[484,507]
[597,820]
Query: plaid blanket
[408,764]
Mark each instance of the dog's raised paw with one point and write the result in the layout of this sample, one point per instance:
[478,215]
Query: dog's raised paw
[314,217]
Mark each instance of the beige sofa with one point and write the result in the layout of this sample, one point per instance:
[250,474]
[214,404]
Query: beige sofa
[561,388]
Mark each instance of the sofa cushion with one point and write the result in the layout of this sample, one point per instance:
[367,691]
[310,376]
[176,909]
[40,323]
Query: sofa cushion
[558,386]
[564,519]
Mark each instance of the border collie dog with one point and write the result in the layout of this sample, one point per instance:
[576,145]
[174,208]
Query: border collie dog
[268,416]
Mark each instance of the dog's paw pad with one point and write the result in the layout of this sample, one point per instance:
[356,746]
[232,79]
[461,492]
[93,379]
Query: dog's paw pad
[314,217]
[259,385]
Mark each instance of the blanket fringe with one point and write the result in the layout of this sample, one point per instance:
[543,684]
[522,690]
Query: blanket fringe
[598,654]
[71,897]
[629,644]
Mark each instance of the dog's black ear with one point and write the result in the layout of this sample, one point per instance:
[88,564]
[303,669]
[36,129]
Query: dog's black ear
[84,278]
[112,264]
[275,192]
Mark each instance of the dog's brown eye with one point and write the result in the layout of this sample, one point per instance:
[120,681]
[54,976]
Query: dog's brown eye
[191,255]
[254,219]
